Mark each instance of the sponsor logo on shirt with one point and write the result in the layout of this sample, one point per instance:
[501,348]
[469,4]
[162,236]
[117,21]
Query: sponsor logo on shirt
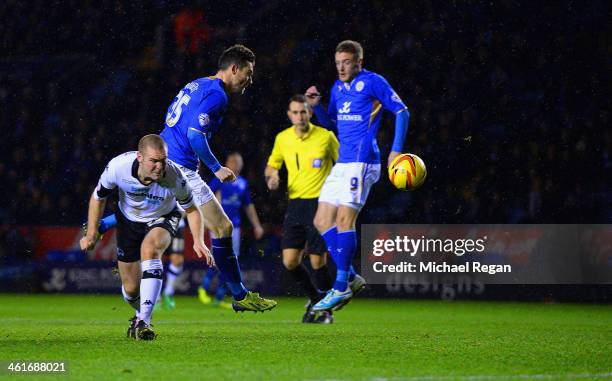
[353,118]
[345,109]
[142,192]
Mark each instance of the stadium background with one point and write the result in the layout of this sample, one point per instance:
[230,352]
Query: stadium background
[507,103]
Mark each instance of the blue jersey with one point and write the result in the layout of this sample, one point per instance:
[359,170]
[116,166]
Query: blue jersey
[200,107]
[356,107]
[234,196]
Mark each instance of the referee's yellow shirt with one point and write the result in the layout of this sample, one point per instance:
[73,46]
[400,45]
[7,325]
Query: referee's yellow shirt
[309,159]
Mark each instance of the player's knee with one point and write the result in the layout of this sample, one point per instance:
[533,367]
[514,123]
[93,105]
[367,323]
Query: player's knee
[290,262]
[225,228]
[317,261]
[321,223]
[152,251]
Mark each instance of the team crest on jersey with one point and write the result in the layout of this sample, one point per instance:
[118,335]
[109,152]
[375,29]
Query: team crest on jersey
[359,86]
[316,163]
[204,119]
[396,98]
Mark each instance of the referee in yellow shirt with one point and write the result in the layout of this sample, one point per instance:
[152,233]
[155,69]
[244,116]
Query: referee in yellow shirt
[309,152]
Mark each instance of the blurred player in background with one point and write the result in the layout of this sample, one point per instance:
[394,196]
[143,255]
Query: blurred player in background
[176,258]
[195,114]
[308,152]
[233,197]
[355,107]
[149,186]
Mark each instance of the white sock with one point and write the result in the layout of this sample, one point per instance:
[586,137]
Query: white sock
[171,275]
[133,301]
[150,285]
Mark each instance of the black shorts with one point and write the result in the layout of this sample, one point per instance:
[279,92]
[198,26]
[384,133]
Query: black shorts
[130,234]
[298,229]
[178,243]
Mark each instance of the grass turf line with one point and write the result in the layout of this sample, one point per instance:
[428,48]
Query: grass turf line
[393,339]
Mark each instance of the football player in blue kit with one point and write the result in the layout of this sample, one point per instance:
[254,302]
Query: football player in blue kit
[234,197]
[195,114]
[355,108]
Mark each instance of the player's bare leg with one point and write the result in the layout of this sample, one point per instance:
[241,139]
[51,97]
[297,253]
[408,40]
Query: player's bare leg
[221,229]
[153,246]
[325,218]
[129,272]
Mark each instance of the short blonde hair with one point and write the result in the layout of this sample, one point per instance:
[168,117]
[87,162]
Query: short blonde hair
[152,140]
[350,46]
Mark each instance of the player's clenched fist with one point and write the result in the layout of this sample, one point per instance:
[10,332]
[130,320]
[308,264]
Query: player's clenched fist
[313,97]
[225,174]
[87,243]
[273,182]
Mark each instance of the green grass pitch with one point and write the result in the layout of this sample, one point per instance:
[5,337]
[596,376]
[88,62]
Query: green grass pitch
[370,340]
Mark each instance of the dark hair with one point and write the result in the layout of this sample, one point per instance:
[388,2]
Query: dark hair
[238,55]
[299,98]
[350,46]
[154,141]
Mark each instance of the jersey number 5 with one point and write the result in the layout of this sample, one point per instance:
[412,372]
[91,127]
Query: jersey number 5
[177,108]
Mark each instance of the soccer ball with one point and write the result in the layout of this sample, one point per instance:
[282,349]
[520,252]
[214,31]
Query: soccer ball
[407,172]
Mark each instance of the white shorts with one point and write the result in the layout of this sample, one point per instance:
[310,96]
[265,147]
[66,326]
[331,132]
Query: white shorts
[349,184]
[201,192]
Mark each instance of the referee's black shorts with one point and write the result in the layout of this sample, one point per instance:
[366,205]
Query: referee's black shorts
[298,229]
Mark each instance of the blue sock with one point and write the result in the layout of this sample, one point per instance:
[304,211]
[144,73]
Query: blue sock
[228,265]
[345,251]
[221,289]
[330,238]
[208,278]
[107,223]
[352,273]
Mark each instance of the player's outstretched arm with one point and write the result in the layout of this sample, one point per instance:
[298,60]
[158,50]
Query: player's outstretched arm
[401,129]
[96,209]
[194,217]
